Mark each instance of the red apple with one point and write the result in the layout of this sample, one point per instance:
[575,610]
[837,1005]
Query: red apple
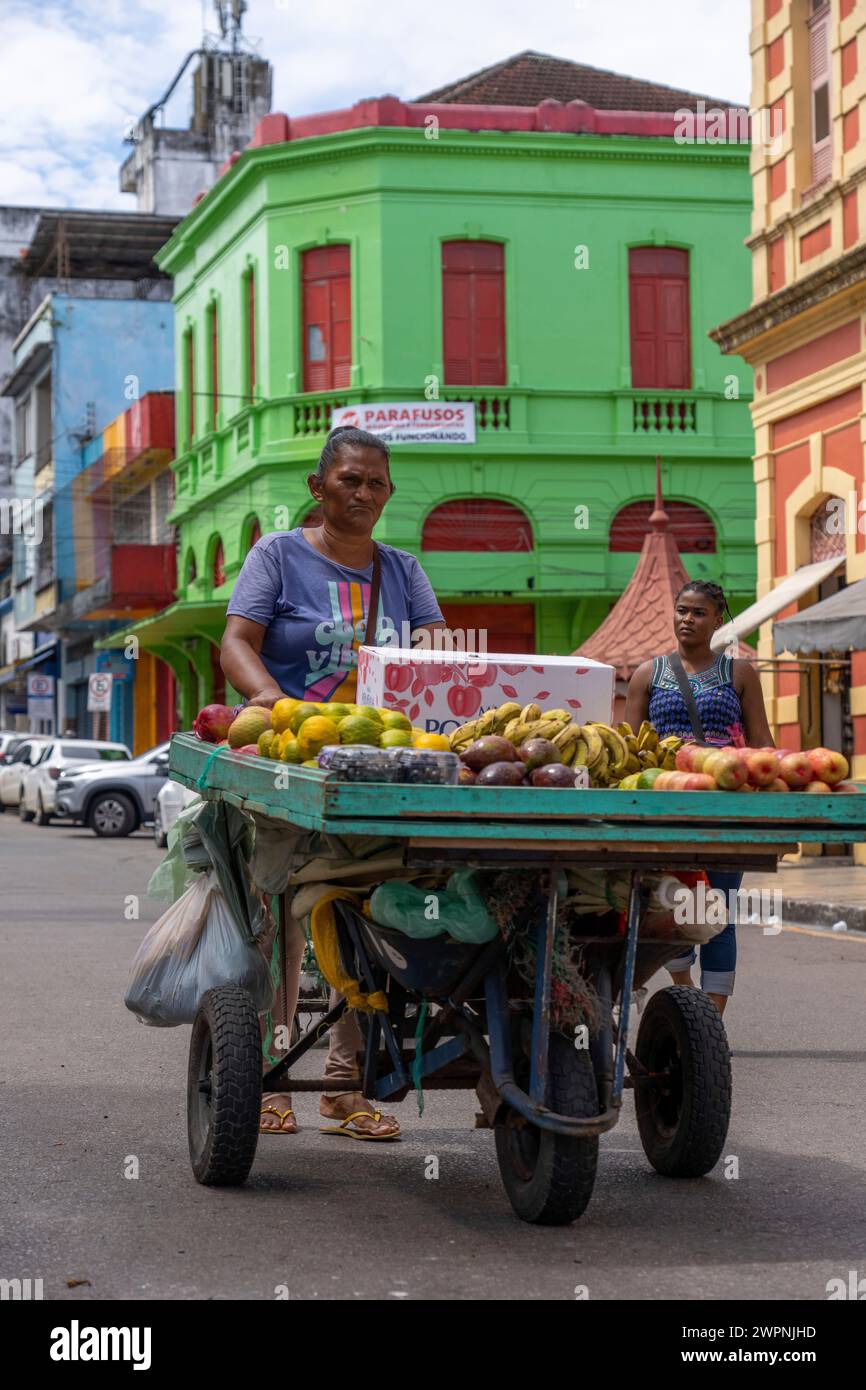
[212,722]
[662,782]
[684,757]
[796,770]
[827,765]
[250,749]
[847,788]
[818,788]
[763,766]
[778,786]
[727,768]
[698,782]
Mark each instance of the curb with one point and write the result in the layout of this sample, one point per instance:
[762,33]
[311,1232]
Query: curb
[809,913]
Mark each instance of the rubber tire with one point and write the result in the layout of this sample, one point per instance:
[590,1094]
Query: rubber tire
[129,823]
[23,814]
[41,818]
[683,1135]
[226,1023]
[555,1190]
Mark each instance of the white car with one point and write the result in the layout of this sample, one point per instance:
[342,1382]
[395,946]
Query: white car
[171,799]
[39,798]
[9,741]
[13,772]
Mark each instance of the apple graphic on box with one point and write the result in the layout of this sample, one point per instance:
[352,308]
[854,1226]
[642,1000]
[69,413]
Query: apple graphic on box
[727,769]
[827,765]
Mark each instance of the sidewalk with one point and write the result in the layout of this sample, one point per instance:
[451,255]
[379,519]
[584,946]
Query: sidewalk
[818,892]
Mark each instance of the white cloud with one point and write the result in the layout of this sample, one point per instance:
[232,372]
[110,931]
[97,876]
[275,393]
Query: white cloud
[74,74]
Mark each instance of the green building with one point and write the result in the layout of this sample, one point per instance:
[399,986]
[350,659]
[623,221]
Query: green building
[555,264]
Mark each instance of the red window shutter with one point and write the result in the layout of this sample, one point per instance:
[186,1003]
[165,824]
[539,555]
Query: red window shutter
[251,333]
[327,318]
[214,366]
[690,526]
[219,561]
[255,533]
[473,313]
[659,308]
[477,523]
[508,627]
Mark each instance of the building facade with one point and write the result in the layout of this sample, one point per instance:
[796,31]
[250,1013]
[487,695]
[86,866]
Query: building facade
[804,337]
[77,361]
[552,265]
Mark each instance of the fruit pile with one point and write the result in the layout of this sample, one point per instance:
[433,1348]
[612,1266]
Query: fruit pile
[507,745]
[756,770]
[295,731]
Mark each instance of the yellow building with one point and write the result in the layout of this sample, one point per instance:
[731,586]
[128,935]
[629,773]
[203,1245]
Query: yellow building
[804,335]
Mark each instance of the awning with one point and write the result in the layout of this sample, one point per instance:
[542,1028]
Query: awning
[835,624]
[788,591]
[10,673]
[172,625]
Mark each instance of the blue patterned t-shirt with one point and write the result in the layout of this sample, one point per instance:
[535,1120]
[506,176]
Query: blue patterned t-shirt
[315,611]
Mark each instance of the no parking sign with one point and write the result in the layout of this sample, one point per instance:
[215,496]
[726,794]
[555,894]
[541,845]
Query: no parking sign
[99,692]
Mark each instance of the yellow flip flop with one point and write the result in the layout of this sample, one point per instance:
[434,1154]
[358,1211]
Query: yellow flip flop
[281,1116]
[374,1115]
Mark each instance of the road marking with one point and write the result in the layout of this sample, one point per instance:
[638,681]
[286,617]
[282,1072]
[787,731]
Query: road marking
[827,932]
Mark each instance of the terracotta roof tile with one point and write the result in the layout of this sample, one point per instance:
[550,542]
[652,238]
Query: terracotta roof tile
[641,623]
[527,78]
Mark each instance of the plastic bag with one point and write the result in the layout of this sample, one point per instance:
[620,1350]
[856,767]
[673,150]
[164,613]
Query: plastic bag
[457,911]
[193,947]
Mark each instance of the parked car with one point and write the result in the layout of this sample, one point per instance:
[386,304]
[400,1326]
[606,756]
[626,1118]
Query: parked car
[171,799]
[10,739]
[113,799]
[40,782]
[21,759]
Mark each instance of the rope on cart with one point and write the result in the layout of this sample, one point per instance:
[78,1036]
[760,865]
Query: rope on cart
[416,1064]
[201,780]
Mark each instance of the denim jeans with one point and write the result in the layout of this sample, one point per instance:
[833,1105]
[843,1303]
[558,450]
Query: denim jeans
[718,956]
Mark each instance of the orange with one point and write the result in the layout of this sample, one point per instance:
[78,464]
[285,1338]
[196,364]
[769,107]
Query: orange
[436,741]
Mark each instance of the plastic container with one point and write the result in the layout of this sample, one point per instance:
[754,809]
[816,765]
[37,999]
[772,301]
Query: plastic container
[425,766]
[359,763]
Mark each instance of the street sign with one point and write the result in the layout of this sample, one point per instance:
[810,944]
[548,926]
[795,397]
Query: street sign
[99,692]
[40,687]
[40,700]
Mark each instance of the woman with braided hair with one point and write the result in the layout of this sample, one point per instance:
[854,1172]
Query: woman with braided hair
[729,705]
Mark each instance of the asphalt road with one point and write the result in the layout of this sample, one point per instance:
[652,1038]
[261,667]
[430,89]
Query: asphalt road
[84,1088]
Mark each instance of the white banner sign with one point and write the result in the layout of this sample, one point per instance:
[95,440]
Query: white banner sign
[412,422]
[99,692]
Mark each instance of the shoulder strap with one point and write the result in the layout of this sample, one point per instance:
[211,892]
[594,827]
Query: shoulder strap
[373,610]
[688,695]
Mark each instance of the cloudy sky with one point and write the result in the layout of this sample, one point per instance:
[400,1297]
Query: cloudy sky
[76,72]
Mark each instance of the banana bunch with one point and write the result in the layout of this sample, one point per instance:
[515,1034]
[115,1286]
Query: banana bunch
[647,749]
[608,753]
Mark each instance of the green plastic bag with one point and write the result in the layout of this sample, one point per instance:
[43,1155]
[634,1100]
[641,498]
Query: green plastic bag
[457,911]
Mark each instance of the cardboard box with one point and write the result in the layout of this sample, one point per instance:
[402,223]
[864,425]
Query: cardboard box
[440,690]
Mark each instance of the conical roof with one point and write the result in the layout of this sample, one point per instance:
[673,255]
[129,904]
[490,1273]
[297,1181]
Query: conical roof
[641,623]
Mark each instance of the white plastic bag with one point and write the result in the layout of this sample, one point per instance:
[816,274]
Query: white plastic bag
[193,947]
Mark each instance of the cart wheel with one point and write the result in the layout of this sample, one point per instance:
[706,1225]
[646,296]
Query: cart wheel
[224,1087]
[548,1177]
[683,1119]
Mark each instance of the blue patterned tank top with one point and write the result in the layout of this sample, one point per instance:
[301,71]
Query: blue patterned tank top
[715,696]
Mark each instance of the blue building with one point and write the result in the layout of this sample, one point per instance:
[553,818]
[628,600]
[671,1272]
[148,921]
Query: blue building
[78,363]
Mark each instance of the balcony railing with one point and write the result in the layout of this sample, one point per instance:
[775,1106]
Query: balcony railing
[664,415]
